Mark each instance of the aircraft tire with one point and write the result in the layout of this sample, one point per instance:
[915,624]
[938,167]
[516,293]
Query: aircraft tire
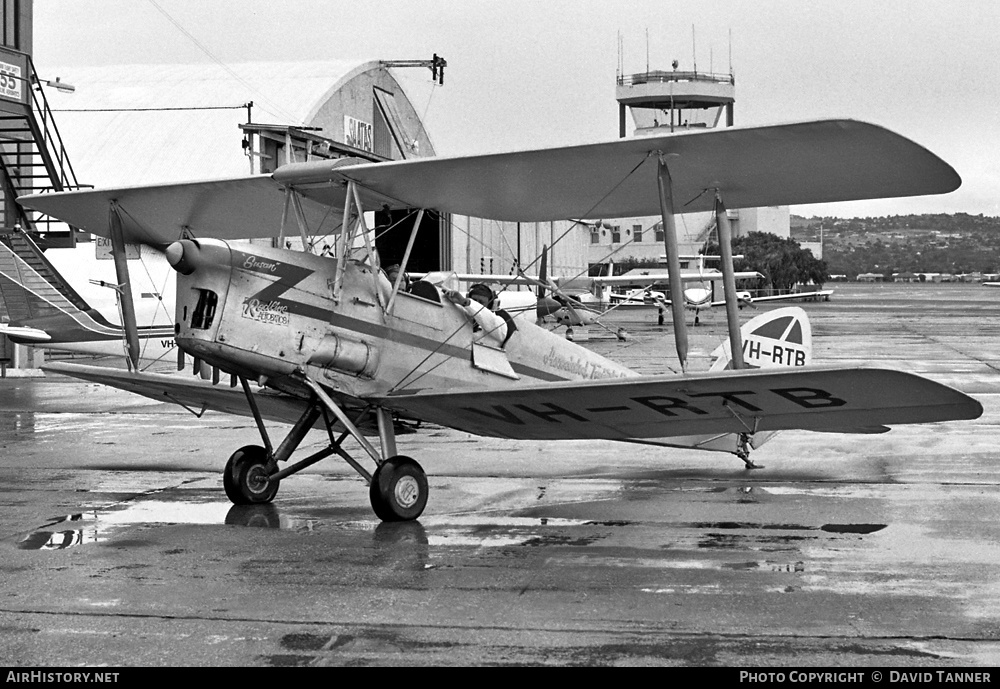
[398,491]
[244,477]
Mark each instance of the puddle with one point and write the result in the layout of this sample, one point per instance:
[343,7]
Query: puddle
[461,530]
[55,535]
[456,530]
[829,528]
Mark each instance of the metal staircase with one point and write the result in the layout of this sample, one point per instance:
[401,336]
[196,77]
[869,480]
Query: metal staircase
[25,267]
[33,158]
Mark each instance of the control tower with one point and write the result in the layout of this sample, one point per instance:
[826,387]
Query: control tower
[664,102]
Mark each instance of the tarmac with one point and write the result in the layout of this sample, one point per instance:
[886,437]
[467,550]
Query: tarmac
[118,547]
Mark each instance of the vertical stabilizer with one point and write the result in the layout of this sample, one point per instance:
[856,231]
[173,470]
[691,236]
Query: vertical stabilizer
[781,338]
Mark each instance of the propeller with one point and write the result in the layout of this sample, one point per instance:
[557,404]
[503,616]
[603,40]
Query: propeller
[551,300]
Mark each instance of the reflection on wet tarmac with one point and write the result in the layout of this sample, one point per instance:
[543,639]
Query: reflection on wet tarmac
[54,536]
[267,517]
[99,525]
[15,425]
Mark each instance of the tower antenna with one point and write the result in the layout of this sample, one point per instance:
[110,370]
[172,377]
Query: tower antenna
[730,52]
[647,50]
[694,52]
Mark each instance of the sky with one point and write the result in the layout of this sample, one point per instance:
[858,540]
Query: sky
[524,75]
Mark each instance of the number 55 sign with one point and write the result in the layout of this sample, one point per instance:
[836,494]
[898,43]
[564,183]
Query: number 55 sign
[11,81]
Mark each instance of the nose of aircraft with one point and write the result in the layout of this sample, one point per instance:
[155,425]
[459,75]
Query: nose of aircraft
[180,256]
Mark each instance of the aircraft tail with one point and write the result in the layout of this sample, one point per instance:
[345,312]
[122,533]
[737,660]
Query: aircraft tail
[38,305]
[775,339]
[781,338]
[23,266]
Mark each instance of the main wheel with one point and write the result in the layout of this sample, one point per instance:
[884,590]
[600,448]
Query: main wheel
[245,478]
[399,490]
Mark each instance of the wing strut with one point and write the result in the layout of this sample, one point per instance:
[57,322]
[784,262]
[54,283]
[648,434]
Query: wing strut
[665,186]
[729,281]
[406,260]
[124,285]
[338,280]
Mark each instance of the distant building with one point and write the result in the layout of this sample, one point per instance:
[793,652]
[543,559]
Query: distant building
[871,277]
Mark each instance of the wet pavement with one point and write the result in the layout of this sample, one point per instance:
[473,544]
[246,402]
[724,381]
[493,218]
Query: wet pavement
[118,546]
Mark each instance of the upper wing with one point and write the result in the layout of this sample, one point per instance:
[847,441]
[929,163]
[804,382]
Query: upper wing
[240,208]
[811,162]
[663,406]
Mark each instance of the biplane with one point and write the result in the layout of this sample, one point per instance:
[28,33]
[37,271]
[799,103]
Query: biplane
[330,342]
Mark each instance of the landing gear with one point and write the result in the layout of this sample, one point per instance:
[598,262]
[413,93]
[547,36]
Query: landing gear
[246,477]
[743,452]
[398,490]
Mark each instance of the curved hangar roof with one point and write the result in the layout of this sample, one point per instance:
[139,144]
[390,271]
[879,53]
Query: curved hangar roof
[145,124]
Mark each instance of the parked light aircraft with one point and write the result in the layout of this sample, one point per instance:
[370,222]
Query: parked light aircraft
[701,296]
[42,315]
[582,300]
[330,342]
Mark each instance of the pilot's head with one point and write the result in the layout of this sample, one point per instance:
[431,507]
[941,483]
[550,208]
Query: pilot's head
[392,272]
[482,294]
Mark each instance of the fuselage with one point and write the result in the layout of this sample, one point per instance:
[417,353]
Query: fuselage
[269,314]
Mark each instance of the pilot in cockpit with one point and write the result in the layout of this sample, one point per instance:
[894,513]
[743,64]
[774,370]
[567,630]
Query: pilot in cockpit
[487,325]
[392,272]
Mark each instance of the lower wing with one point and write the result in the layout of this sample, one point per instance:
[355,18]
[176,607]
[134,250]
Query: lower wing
[649,407]
[193,393]
[833,400]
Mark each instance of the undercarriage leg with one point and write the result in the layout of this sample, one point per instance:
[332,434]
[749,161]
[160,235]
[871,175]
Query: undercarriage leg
[335,409]
[256,415]
[743,451]
[386,433]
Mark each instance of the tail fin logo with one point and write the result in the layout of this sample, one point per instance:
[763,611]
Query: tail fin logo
[777,339]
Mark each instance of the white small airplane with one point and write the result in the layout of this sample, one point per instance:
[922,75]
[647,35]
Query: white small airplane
[330,342]
[701,296]
[53,316]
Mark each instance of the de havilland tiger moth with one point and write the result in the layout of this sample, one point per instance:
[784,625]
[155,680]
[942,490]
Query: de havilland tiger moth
[330,342]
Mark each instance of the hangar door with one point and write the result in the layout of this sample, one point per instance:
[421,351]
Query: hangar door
[431,249]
